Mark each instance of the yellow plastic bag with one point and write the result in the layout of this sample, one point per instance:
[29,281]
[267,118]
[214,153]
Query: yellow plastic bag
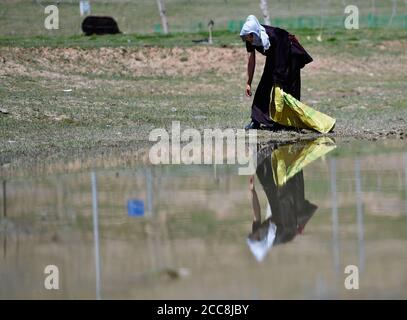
[288,160]
[288,111]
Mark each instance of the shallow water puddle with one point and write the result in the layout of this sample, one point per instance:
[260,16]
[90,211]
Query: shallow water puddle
[169,232]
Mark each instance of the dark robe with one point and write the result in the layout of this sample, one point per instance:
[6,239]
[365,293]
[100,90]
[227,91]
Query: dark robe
[290,210]
[284,60]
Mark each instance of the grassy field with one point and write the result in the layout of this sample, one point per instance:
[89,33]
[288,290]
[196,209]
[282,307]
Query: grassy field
[69,101]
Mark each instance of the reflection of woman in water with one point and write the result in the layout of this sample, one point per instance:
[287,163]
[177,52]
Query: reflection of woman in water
[287,213]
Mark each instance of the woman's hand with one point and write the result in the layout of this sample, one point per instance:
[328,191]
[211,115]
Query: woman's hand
[248,90]
[251,65]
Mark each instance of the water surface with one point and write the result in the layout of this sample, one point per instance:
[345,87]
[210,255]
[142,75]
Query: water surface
[181,232]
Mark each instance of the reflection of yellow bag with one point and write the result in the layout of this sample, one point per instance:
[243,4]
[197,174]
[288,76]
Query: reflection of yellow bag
[288,111]
[288,160]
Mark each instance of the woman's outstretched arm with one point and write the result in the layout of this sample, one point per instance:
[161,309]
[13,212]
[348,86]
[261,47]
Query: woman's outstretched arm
[255,201]
[251,65]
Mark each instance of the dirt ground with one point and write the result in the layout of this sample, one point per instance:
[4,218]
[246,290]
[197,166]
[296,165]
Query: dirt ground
[59,63]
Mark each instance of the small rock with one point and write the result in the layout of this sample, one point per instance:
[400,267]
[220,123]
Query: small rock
[4,111]
[173,109]
[62,117]
[176,273]
[184,272]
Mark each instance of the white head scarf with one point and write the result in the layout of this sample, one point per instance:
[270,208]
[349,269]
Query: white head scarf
[260,248]
[252,25]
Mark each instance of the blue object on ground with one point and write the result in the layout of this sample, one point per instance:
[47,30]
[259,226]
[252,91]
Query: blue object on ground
[135,208]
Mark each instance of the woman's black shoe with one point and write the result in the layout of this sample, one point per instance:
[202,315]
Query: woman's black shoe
[253,125]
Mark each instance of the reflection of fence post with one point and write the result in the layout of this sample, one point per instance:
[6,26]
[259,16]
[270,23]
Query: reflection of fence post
[5,245]
[4,200]
[4,216]
[149,182]
[335,220]
[405,183]
[215,173]
[378,182]
[96,233]
[359,214]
